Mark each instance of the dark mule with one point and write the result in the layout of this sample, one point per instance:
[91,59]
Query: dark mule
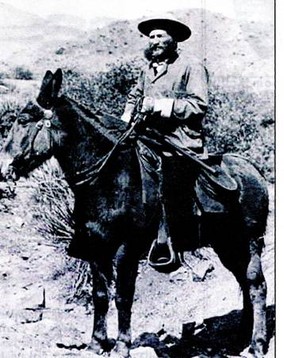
[111,224]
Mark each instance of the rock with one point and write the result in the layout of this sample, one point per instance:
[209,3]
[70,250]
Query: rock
[169,340]
[3,89]
[188,330]
[202,270]
[143,352]
[19,222]
[182,274]
[31,316]
[147,339]
[35,297]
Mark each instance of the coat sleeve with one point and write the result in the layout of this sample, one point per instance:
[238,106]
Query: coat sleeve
[192,100]
[135,94]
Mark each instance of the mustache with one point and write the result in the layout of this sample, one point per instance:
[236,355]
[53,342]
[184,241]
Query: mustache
[156,46]
[169,51]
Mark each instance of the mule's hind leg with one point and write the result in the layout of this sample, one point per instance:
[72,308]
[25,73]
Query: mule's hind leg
[101,280]
[127,267]
[242,258]
[257,292]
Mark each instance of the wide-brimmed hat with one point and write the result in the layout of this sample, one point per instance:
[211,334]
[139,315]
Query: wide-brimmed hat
[179,31]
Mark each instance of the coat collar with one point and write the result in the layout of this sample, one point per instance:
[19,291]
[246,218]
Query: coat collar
[163,67]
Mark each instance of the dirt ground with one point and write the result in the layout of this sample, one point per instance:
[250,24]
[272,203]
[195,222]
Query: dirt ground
[38,320]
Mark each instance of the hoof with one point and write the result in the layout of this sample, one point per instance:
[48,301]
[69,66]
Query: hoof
[95,347]
[121,350]
[250,352]
[99,348]
[259,351]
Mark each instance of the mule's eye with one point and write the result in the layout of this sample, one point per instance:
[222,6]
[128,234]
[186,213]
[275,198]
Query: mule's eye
[24,118]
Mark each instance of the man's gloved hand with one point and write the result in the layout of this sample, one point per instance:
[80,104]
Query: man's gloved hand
[126,117]
[148,105]
[163,106]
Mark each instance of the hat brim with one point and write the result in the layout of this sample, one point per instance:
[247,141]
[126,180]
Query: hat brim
[179,31]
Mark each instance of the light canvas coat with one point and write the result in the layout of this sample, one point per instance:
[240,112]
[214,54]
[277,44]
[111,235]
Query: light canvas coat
[184,83]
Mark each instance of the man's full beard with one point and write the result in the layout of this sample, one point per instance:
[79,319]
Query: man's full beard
[170,51]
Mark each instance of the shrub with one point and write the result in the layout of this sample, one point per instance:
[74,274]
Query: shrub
[243,123]
[104,91]
[53,203]
[8,114]
[22,73]
[60,51]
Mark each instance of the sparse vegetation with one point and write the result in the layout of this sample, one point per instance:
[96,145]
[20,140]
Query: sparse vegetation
[105,91]
[238,120]
[22,73]
[242,122]
[53,203]
[8,114]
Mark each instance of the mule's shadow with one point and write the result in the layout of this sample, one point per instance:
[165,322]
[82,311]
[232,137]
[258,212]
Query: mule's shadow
[217,337]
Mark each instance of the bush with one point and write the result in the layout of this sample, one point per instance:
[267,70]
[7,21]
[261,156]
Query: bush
[242,123]
[8,113]
[22,73]
[53,203]
[104,91]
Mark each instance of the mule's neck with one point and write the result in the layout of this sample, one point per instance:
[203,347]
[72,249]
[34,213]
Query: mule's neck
[86,139]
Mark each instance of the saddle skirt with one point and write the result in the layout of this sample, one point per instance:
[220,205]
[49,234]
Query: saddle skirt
[215,193]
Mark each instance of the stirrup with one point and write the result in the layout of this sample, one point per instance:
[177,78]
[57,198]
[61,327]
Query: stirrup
[162,257]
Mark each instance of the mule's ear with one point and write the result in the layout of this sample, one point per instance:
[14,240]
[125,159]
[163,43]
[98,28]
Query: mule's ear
[46,79]
[49,89]
[44,96]
[57,81]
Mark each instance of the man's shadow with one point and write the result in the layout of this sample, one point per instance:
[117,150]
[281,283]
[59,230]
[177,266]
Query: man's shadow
[216,337]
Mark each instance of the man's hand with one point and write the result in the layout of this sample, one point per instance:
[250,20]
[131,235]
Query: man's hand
[163,106]
[126,117]
[148,105]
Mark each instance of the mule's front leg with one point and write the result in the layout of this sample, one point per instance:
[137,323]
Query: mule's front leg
[101,281]
[127,266]
[257,291]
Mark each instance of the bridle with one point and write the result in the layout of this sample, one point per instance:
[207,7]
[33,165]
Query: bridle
[86,175]
[45,122]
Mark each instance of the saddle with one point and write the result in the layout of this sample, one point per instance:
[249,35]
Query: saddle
[212,194]
[215,193]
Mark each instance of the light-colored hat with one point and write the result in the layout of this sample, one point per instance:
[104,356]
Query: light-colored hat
[179,31]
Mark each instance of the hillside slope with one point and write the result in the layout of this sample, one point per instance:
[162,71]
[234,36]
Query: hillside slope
[235,52]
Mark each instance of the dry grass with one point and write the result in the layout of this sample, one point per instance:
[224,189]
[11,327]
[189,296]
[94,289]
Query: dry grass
[53,203]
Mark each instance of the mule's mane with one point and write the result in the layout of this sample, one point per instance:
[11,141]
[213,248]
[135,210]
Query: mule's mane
[110,127]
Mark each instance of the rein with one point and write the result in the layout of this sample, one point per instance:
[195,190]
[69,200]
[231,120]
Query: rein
[93,172]
[86,175]
[90,175]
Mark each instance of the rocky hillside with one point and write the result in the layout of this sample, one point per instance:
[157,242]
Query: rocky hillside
[236,52]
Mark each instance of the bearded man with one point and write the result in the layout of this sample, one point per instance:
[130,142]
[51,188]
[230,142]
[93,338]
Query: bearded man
[174,90]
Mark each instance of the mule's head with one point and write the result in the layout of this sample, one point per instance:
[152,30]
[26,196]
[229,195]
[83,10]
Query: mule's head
[30,142]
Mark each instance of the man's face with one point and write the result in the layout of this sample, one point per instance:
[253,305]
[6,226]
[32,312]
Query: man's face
[160,42]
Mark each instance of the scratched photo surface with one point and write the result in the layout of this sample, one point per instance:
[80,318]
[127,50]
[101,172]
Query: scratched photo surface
[180,199]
